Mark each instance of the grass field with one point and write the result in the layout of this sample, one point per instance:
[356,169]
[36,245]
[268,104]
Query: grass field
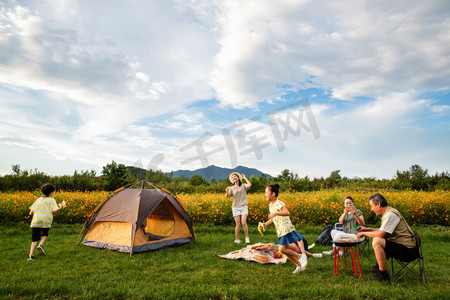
[194,271]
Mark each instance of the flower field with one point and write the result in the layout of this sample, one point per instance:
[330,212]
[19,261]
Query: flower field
[314,208]
[322,207]
[14,207]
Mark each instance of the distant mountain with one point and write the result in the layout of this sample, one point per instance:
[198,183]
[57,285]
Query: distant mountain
[208,173]
[219,173]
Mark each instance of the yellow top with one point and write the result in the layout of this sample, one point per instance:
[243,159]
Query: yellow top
[283,224]
[43,209]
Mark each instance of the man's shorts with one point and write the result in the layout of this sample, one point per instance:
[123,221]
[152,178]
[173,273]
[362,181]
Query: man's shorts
[37,232]
[239,211]
[400,251]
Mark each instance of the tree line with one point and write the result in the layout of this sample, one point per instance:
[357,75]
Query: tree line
[116,175]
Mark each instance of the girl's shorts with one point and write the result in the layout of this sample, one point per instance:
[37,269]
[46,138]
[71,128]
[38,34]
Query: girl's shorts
[291,238]
[241,210]
[37,232]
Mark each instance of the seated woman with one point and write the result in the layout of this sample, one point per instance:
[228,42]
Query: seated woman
[349,218]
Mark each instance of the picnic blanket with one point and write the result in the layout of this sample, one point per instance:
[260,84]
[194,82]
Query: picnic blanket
[248,254]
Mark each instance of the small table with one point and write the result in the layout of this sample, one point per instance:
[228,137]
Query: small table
[353,247]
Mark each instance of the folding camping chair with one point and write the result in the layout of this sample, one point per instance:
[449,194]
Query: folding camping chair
[364,247]
[406,267]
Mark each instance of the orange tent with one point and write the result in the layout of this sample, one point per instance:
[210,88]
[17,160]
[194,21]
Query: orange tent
[138,220]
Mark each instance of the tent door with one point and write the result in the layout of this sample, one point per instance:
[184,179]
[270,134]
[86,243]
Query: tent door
[160,223]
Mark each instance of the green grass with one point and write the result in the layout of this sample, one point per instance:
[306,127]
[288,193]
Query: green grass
[194,271]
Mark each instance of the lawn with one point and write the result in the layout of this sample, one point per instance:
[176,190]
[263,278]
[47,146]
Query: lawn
[194,271]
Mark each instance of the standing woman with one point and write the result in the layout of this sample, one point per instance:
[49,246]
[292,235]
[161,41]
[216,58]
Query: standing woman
[240,203]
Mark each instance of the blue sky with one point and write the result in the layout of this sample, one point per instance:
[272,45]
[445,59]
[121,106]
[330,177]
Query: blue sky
[356,86]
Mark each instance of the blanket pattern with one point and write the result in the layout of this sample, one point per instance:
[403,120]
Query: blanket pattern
[248,254]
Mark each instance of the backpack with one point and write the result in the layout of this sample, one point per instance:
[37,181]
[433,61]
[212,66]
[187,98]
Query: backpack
[325,237]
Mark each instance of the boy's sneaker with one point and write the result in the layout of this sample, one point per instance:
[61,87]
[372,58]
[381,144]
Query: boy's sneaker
[247,240]
[298,269]
[30,257]
[237,241]
[317,255]
[40,250]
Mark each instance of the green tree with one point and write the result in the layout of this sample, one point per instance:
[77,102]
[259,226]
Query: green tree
[402,180]
[287,176]
[415,178]
[418,177]
[158,176]
[197,180]
[257,184]
[115,175]
[333,180]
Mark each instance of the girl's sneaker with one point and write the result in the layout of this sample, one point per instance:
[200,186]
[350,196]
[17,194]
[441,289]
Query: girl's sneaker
[303,260]
[298,269]
[331,252]
[30,257]
[247,240]
[237,241]
[318,255]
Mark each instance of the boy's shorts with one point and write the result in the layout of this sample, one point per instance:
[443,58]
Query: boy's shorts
[400,251]
[37,232]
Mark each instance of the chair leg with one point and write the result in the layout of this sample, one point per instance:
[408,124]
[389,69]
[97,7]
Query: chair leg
[392,269]
[422,270]
[407,269]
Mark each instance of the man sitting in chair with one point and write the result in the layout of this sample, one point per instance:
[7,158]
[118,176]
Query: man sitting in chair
[393,239]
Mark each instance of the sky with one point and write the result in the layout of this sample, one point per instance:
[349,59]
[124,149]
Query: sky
[311,86]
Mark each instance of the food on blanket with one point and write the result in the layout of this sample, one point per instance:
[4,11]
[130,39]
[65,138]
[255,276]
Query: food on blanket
[262,256]
[261,225]
[265,256]
[277,255]
[262,247]
[274,247]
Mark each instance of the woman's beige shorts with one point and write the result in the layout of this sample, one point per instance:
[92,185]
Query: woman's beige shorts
[241,210]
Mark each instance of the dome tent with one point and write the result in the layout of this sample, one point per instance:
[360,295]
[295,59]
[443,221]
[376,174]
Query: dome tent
[137,220]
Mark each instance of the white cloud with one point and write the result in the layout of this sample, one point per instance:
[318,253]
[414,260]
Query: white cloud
[441,110]
[371,139]
[372,49]
[93,83]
